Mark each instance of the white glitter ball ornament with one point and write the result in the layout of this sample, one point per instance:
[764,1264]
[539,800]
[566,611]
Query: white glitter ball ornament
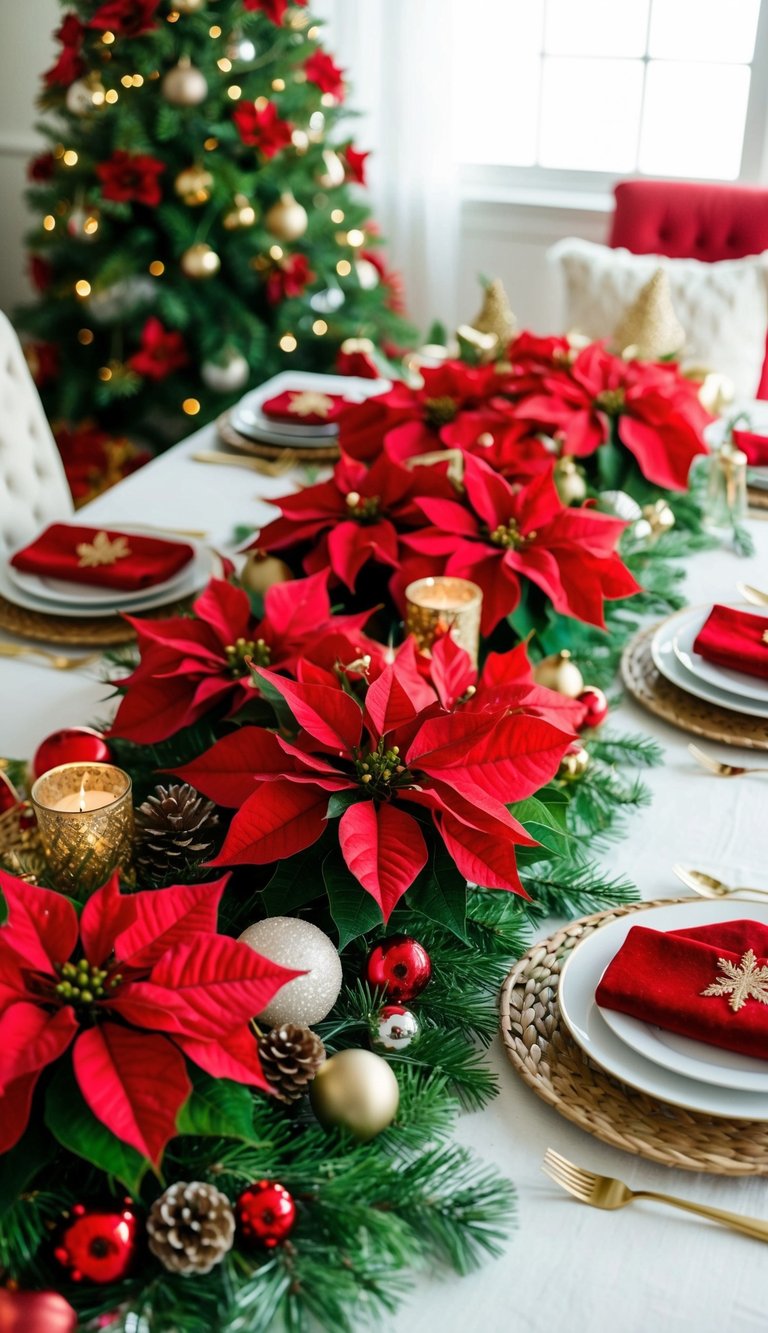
[300,945]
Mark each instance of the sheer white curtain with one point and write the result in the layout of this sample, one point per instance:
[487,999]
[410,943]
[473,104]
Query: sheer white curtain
[398,56]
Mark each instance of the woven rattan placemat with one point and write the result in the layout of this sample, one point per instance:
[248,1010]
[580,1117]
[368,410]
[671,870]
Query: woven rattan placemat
[547,1058]
[757,499]
[661,697]
[85,631]
[273,452]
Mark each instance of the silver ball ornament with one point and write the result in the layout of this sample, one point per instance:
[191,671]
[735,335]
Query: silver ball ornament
[184,85]
[394,1028]
[300,945]
[227,375]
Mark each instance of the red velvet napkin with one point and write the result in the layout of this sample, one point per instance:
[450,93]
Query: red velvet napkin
[754,446]
[305,407]
[734,639]
[102,557]
[660,977]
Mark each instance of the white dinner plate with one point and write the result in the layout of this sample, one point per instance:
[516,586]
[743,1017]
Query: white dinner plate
[196,575]
[733,682]
[90,594]
[683,1055]
[249,420]
[586,1022]
[666,661]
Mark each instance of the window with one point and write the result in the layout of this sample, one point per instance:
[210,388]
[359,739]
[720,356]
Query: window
[611,87]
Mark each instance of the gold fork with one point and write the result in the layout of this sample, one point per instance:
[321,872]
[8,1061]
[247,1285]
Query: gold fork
[58,661]
[266,467]
[753,595]
[607,1192]
[722,770]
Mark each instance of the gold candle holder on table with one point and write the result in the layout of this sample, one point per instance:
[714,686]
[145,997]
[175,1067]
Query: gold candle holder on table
[85,817]
[444,605]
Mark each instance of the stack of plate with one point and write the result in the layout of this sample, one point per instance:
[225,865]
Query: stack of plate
[674,658]
[60,597]
[249,421]
[674,1069]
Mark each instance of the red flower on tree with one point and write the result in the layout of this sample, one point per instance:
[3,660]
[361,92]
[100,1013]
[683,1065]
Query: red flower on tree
[161,352]
[262,129]
[131,178]
[190,666]
[289,278]
[355,163]
[138,984]
[274,9]
[503,534]
[322,70]
[658,414]
[42,167]
[126,18]
[69,64]
[41,272]
[399,766]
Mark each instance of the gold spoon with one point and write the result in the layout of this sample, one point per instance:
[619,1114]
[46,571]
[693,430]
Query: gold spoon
[753,595]
[58,661]
[709,887]
[721,770]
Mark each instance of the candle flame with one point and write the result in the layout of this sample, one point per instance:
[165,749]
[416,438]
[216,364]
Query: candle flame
[82,794]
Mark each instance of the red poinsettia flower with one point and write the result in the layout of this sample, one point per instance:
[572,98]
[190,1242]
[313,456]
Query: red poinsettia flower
[42,167]
[69,64]
[355,163]
[161,352]
[505,681]
[505,444]
[131,178]
[141,982]
[93,459]
[274,9]
[322,70]
[262,129]
[660,419]
[289,278]
[503,533]
[190,666]
[126,18]
[354,517]
[405,763]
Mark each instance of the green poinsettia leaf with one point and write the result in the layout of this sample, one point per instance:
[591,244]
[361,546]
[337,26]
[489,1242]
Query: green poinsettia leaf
[283,714]
[294,883]
[20,1166]
[216,1108]
[340,801]
[353,910]
[440,893]
[545,820]
[73,1123]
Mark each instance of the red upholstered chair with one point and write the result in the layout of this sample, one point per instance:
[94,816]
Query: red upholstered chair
[689,220]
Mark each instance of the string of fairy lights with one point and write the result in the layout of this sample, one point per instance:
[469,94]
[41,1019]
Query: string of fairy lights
[186,86]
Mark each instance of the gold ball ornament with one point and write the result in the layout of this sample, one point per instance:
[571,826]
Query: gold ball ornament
[83,224]
[260,571]
[559,672]
[656,519]
[569,481]
[356,1091]
[574,763]
[243,214]
[184,84]
[287,219]
[200,261]
[188,6]
[333,173]
[300,945]
[193,185]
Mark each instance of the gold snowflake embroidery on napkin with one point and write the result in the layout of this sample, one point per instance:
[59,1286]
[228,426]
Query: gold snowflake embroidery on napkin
[102,551]
[742,983]
[310,403]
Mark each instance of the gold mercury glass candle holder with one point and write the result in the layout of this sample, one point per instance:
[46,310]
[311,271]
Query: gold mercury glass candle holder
[444,605]
[85,818]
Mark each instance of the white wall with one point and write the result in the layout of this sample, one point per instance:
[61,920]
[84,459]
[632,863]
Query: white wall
[26,49]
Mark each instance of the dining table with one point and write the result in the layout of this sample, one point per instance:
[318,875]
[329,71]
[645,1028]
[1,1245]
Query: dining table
[565,1267]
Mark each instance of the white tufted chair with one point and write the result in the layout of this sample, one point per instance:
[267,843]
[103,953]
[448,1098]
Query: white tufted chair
[33,488]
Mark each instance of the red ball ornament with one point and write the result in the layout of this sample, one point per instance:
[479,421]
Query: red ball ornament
[71,745]
[596,705]
[35,1312]
[400,966]
[266,1213]
[97,1244]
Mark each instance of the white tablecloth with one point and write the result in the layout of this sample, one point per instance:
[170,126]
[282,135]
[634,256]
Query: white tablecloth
[566,1267]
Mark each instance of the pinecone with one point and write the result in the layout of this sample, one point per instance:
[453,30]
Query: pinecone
[290,1057]
[191,1227]
[175,827]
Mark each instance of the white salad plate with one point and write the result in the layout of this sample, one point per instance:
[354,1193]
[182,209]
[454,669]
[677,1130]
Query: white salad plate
[670,666]
[733,682]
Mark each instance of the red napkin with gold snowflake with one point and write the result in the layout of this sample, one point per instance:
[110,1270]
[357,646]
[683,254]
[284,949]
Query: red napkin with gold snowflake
[754,446]
[108,559]
[709,983]
[304,407]
[735,639]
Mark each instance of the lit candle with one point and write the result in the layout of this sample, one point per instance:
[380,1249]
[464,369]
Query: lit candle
[85,819]
[444,605]
[87,798]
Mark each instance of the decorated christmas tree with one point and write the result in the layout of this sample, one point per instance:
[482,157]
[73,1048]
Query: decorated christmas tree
[201,217]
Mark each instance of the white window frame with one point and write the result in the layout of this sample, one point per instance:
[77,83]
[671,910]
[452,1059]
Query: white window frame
[593,189]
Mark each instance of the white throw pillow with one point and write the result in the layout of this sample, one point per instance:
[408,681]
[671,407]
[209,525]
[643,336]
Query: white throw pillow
[723,307]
